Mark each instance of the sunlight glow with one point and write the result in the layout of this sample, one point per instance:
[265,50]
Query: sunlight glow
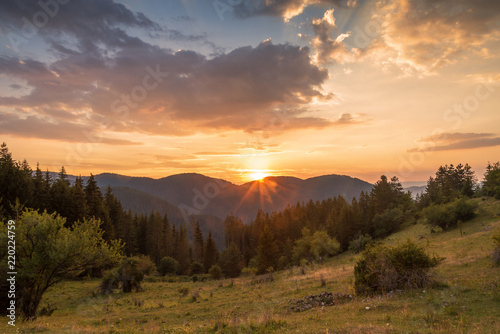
[258,175]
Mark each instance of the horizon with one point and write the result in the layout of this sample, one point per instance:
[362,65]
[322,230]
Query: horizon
[240,92]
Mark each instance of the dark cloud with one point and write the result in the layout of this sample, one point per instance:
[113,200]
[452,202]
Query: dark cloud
[36,127]
[457,141]
[238,90]
[90,24]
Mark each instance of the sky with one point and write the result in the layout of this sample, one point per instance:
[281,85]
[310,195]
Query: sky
[240,89]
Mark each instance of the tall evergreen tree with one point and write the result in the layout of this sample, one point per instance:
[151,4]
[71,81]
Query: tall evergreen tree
[267,251]
[78,203]
[198,243]
[211,254]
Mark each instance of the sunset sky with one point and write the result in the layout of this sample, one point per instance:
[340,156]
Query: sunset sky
[239,89]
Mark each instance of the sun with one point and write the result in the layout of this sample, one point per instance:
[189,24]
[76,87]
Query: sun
[258,175]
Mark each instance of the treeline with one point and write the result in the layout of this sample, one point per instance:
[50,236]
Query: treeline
[152,235]
[290,237]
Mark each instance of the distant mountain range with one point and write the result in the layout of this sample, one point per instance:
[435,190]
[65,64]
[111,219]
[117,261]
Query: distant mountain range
[211,199]
[183,195]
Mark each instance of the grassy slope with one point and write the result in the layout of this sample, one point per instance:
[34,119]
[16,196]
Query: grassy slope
[470,303]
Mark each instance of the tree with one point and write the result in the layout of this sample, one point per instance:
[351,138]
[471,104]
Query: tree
[267,251]
[211,254]
[198,243]
[231,261]
[47,252]
[60,201]
[491,185]
[168,265]
[78,206]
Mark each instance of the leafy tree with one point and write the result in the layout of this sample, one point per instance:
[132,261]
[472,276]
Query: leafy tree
[197,268]
[168,265]
[47,252]
[231,261]
[215,272]
[322,245]
[448,215]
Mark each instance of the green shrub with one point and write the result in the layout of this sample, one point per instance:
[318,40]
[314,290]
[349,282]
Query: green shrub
[110,281]
[448,215]
[383,269]
[197,268]
[215,272]
[145,265]
[127,274]
[496,250]
[360,243]
[168,265]
[387,222]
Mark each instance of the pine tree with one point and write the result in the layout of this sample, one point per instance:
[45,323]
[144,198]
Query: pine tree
[60,200]
[183,251]
[198,243]
[267,251]
[94,199]
[78,204]
[231,261]
[211,254]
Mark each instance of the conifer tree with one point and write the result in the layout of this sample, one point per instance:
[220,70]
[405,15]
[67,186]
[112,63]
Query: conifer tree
[198,243]
[267,251]
[211,254]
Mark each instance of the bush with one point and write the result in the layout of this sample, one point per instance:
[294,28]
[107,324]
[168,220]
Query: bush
[197,268]
[127,273]
[145,265]
[448,215]
[360,243]
[496,250]
[215,272]
[168,265]
[383,269]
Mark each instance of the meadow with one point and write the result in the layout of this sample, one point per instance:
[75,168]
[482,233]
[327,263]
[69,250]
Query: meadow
[467,300]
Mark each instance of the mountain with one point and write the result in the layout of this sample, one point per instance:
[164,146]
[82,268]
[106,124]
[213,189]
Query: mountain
[188,194]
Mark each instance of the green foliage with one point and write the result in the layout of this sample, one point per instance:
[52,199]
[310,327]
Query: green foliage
[231,261]
[145,265]
[128,274]
[197,268]
[387,222]
[360,243]
[384,269]
[215,272]
[491,185]
[448,215]
[496,250]
[168,265]
[267,251]
[449,184]
[47,252]
[316,246]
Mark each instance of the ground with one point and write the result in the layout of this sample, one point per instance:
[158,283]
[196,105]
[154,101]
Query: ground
[467,302]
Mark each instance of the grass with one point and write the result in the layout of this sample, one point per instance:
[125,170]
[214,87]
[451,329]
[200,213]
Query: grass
[467,302]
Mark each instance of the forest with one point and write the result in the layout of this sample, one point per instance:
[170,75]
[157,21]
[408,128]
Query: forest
[300,234]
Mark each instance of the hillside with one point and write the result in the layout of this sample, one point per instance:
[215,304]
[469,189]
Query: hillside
[467,301]
[201,195]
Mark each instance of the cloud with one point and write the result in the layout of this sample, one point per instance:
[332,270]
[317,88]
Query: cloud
[427,35]
[326,48]
[457,141]
[286,9]
[35,127]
